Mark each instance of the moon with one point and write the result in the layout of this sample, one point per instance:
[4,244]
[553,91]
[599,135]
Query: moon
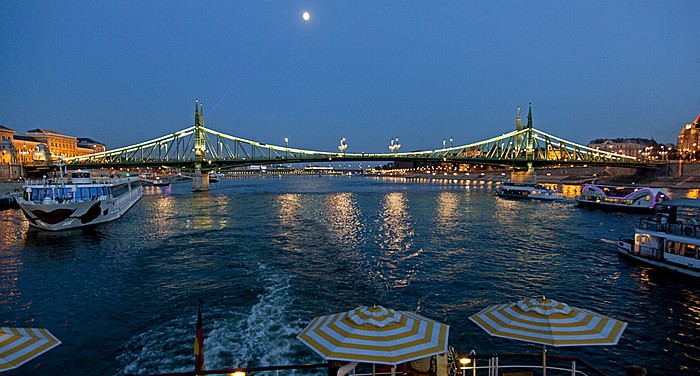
[306,16]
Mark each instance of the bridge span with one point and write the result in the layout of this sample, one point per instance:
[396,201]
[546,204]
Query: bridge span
[201,149]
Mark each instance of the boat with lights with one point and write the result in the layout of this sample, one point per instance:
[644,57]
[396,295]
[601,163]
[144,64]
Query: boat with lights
[670,240]
[627,198]
[527,191]
[81,200]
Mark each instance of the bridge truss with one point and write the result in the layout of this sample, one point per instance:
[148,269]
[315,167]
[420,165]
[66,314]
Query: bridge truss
[199,147]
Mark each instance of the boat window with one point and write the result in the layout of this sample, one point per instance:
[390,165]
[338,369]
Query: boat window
[83,193]
[672,247]
[690,251]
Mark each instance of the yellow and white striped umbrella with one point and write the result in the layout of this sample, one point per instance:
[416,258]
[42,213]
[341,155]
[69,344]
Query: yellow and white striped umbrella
[375,335]
[549,322]
[20,345]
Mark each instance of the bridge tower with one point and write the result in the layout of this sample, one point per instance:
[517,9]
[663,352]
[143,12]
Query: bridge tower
[200,182]
[522,175]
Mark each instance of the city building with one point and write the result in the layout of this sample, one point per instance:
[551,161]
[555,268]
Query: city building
[39,145]
[634,147]
[688,141]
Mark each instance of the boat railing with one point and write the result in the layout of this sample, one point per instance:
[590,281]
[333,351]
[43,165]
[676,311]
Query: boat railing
[471,365]
[686,228]
[67,181]
[497,364]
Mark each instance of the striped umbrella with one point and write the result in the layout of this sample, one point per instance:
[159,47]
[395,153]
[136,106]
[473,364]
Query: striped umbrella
[375,335]
[20,345]
[549,322]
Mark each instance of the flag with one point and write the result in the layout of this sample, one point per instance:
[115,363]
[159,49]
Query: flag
[199,343]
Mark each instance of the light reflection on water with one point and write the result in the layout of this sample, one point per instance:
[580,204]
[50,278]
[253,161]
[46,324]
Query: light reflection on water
[269,254]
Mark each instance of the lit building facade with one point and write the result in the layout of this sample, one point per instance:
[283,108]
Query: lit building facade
[39,145]
[689,141]
[634,147]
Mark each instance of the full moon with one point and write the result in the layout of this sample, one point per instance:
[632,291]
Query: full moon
[306,16]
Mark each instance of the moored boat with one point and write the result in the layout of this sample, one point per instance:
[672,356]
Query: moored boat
[670,240]
[528,191]
[632,199]
[79,201]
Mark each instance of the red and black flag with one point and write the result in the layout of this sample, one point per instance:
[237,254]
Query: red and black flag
[199,342]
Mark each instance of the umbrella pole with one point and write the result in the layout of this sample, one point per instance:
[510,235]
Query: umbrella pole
[544,360]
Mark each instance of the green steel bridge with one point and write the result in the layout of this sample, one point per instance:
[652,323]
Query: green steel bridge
[200,148]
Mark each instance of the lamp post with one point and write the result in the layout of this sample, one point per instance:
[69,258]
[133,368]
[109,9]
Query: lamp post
[342,145]
[286,148]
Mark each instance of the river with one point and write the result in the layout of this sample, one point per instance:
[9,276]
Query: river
[268,254]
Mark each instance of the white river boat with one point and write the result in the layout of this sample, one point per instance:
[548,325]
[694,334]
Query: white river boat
[528,191]
[669,240]
[61,204]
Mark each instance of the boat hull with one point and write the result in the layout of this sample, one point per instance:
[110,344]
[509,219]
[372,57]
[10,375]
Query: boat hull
[531,197]
[589,204]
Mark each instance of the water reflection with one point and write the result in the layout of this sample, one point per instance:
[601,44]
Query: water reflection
[395,238]
[447,212]
[343,219]
[14,227]
[289,207]
[161,214]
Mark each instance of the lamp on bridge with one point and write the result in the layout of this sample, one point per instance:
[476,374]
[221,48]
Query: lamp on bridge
[286,146]
[342,145]
[394,147]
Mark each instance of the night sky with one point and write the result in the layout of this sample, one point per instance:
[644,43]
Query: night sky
[122,72]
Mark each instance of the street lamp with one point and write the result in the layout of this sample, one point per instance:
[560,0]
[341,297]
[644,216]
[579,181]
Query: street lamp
[394,147]
[451,143]
[342,145]
[286,147]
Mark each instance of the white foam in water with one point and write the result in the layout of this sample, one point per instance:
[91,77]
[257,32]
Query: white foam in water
[263,337]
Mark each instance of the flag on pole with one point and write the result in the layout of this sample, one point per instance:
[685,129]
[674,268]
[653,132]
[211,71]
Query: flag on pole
[199,342]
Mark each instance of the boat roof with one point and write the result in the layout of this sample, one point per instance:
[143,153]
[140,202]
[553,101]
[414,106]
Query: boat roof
[685,202]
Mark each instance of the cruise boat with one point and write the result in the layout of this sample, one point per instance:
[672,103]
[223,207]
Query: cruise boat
[671,239]
[527,191]
[62,203]
[214,177]
[633,199]
[160,181]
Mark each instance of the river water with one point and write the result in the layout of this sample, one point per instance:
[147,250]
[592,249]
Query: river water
[268,254]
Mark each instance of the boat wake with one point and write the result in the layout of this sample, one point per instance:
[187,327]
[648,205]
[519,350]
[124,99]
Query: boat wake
[260,335]
[609,241]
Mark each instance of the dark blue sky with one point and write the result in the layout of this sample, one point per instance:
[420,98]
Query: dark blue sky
[123,72]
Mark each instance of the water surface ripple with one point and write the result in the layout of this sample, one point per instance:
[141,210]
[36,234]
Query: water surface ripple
[266,255]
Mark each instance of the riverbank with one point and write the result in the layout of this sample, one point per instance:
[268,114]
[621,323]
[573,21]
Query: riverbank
[570,176]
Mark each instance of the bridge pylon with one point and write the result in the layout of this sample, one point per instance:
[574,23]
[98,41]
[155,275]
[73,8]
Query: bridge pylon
[200,182]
